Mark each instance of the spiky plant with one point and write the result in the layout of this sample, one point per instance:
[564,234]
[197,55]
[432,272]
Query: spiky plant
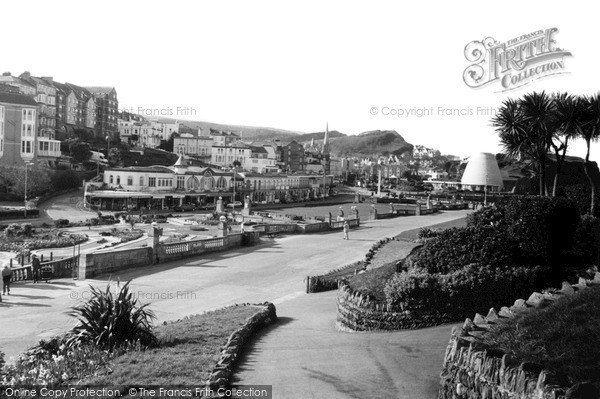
[110,322]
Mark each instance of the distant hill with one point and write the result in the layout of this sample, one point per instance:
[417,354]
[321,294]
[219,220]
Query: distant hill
[372,143]
[247,132]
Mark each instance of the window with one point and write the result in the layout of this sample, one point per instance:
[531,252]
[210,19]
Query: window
[180,181]
[111,179]
[129,180]
[141,180]
[26,147]
[152,182]
[118,179]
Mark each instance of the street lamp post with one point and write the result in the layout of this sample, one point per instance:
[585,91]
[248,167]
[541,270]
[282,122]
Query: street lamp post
[25,193]
[485,191]
[107,147]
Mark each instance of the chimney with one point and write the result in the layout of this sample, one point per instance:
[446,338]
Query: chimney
[48,79]
[25,75]
[6,74]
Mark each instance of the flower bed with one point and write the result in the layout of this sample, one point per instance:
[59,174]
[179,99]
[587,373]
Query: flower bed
[23,238]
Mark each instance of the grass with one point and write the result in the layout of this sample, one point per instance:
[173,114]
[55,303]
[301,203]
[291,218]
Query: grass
[383,265]
[411,235]
[188,351]
[562,336]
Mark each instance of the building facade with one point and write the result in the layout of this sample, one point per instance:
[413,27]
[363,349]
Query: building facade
[107,109]
[18,129]
[188,144]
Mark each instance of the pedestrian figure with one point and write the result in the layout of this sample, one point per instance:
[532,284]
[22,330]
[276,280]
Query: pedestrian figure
[6,276]
[36,268]
[346,228]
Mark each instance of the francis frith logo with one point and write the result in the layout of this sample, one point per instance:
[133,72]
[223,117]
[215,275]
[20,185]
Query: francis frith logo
[516,62]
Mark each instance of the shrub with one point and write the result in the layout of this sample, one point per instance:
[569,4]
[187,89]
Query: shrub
[542,227]
[454,248]
[489,216]
[110,322]
[426,233]
[61,222]
[27,229]
[13,230]
[463,292]
[587,241]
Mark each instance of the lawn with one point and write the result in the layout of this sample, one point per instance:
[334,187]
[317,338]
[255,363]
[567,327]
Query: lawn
[189,349]
[383,264]
[562,336]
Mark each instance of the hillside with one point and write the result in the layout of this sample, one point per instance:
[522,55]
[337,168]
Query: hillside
[372,143]
[247,132]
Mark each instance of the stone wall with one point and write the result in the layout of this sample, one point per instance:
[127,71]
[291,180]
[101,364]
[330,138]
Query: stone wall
[358,312]
[471,370]
[222,372]
[97,263]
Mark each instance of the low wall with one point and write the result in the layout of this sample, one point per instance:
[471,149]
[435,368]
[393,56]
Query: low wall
[223,371]
[61,268]
[358,312]
[108,262]
[471,370]
[98,263]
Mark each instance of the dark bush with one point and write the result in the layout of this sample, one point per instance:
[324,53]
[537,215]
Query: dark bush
[581,195]
[587,241]
[64,179]
[489,216]
[61,222]
[454,248]
[463,292]
[27,229]
[13,230]
[542,227]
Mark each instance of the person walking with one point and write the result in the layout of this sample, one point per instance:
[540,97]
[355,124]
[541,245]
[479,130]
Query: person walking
[6,276]
[36,268]
[346,229]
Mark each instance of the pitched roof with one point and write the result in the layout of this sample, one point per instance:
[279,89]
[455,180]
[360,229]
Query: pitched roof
[15,79]
[258,150]
[103,90]
[14,98]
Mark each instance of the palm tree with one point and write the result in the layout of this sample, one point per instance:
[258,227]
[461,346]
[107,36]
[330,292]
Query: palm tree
[569,124]
[590,132]
[526,128]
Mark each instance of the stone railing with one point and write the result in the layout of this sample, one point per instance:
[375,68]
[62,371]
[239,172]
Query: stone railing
[61,268]
[222,372]
[472,370]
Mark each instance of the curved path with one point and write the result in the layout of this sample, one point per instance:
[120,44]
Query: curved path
[273,271]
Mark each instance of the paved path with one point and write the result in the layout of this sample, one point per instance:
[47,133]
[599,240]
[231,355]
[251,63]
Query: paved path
[305,356]
[272,271]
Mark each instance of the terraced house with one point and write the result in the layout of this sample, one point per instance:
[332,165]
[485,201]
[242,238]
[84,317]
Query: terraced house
[107,110]
[18,125]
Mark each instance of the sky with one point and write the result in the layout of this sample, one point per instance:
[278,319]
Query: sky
[298,65]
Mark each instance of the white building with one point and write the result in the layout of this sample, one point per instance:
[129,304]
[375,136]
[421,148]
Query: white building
[482,172]
[188,144]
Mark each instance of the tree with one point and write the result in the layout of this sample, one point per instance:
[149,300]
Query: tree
[590,131]
[79,150]
[13,177]
[569,123]
[526,129]
[167,145]
[114,157]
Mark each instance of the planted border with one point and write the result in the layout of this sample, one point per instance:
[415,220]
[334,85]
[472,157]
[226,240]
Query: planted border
[471,369]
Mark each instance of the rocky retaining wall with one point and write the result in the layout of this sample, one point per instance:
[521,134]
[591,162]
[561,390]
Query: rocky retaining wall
[222,372]
[471,370]
[358,312]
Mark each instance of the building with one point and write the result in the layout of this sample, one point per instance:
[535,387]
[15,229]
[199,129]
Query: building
[75,109]
[163,187]
[188,144]
[18,127]
[45,96]
[22,86]
[107,109]
[482,173]
[262,160]
[290,156]
[228,155]
[145,134]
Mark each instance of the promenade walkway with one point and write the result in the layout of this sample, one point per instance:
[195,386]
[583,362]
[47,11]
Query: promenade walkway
[272,271]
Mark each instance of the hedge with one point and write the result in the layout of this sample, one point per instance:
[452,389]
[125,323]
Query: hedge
[463,292]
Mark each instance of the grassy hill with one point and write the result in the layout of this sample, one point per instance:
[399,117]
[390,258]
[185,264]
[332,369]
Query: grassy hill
[371,143]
